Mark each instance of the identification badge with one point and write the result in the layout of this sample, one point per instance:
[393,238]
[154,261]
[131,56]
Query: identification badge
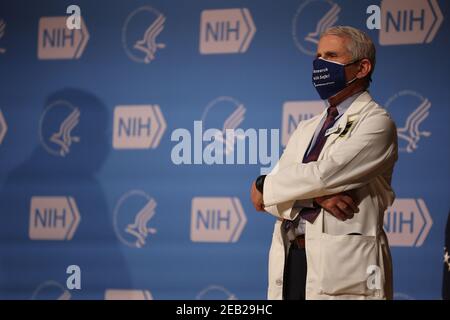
[332,130]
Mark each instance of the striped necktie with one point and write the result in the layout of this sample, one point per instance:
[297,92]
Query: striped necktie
[310,214]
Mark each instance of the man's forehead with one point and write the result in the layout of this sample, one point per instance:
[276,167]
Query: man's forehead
[331,43]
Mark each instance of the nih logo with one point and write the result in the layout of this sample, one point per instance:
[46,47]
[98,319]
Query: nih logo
[53,218]
[407,223]
[226,31]
[216,219]
[127,294]
[56,41]
[138,127]
[409,21]
[296,111]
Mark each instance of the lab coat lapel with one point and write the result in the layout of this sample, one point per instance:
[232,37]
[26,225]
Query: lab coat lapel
[350,115]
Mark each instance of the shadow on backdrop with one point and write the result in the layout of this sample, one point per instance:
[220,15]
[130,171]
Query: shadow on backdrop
[71,148]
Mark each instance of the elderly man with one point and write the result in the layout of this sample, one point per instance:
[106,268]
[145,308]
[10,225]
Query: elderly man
[332,184]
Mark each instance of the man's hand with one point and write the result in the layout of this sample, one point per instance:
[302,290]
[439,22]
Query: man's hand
[257,198]
[340,205]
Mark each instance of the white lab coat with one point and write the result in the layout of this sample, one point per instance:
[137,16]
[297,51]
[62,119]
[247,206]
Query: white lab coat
[359,160]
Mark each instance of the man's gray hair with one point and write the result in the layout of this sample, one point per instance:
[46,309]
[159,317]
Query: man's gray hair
[360,45]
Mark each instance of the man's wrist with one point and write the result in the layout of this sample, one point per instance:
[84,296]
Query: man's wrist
[259,183]
[315,204]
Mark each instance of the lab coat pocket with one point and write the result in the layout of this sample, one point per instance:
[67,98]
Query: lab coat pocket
[346,262]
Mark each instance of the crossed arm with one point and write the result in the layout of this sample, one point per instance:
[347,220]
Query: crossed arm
[364,155]
[341,205]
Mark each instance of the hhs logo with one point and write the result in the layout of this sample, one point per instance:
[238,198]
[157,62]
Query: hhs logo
[407,222]
[139,34]
[3,127]
[409,21]
[51,290]
[311,19]
[138,127]
[226,31]
[225,113]
[215,292]
[215,219]
[409,127]
[58,123]
[296,111]
[56,41]
[2,33]
[53,218]
[132,214]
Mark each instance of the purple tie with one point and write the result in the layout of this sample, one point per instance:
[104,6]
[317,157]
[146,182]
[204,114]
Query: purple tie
[310,214]
[314,152]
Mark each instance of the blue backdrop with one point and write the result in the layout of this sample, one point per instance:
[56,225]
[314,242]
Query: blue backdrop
[88,117]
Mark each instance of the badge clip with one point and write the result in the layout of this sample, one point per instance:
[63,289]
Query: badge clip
[336,129]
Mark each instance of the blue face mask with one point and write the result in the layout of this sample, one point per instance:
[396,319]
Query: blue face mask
[328,77]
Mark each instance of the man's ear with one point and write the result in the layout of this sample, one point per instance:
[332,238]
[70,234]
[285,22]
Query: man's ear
[365,66]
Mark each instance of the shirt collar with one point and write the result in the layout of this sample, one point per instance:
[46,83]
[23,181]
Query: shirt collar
[344,105]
